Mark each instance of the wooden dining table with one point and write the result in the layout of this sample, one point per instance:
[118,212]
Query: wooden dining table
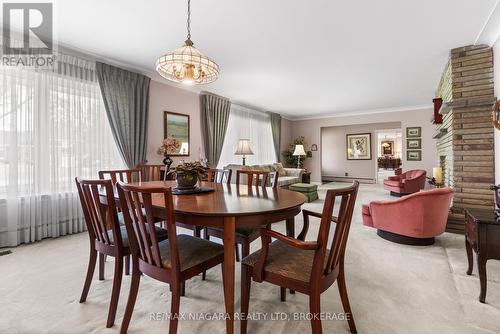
[230,206]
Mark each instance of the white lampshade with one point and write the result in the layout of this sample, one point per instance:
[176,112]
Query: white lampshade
[299,150]
[437,174]
[184,148]
[244,147]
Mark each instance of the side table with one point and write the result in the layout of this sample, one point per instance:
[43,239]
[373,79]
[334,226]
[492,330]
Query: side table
[482,234]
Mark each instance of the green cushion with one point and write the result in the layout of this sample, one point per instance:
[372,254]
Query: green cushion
[304,187]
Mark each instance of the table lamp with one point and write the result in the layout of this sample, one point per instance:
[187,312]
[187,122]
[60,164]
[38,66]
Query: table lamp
[244,149]
[299,151]
[437,174]
[184,148]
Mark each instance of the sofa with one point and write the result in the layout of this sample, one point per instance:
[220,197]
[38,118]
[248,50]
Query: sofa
[409,182]
[413,220]
[287,176]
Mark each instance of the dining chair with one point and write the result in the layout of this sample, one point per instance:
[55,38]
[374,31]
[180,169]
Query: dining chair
[172,261]
[152,172]
[308,267]
[219,175]
[124,175]
[106,236]
[244,236]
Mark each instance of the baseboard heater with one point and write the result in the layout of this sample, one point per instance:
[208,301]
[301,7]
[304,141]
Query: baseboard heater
[329,178]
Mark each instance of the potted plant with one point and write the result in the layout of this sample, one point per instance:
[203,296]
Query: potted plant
[290,159]
[187,174]
[168,147]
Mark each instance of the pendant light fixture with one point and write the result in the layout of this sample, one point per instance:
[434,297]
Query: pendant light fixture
[187,64]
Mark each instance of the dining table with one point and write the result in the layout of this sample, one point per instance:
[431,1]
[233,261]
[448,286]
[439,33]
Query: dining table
[230,206]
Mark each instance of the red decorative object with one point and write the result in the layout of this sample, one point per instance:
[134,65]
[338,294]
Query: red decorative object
[438,118]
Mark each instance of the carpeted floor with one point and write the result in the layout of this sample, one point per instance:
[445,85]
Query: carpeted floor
[392,289]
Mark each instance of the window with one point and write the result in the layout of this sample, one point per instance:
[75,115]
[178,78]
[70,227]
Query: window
[53,127]
[245,123]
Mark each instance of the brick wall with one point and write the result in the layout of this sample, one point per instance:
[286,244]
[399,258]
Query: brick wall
[467,148]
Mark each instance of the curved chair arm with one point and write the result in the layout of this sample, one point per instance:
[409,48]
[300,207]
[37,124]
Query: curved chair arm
[394,178]
[266,235]
[305,228]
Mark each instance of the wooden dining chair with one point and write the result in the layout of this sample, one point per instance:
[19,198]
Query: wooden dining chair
[244,236]
[152,172]
[124,175]
[171,261]
[308,267]
[106,236]
[219,175]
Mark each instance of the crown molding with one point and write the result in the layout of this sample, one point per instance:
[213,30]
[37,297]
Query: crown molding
[490,32]
[361,112]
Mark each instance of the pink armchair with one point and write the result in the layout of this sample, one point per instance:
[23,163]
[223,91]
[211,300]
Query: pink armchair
[412,220]
[409,182]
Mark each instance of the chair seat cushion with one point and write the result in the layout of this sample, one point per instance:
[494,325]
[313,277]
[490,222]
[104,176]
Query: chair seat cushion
[161,234]
[393,183]
[242,231]
[285,260]
[192,251]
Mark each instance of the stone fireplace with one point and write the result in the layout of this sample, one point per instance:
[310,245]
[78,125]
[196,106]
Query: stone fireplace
[465,140]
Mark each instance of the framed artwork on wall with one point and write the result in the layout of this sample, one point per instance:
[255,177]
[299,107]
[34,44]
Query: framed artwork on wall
[414,144]
[415,131]
[359,146]
[414,155]
[387,147]
[176,126]
[314,147]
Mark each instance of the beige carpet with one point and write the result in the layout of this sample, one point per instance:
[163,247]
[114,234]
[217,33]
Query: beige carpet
[392,288]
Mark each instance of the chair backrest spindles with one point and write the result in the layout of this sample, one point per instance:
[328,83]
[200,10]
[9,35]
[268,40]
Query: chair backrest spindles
[123,175]
[220,175]
[99,217]
[145,241]
[152,172]
[253,176]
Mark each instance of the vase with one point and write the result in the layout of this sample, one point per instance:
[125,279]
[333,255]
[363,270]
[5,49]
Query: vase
[186,181]
[167,161]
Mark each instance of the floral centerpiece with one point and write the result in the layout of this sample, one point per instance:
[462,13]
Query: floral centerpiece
[187,174]
[168,147]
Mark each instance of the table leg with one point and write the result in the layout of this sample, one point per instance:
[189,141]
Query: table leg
[470,260]
[290,232]
[481,265]
[229,264]
[290,227]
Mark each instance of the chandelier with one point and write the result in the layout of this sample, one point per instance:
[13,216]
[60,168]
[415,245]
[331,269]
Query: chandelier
[187,64]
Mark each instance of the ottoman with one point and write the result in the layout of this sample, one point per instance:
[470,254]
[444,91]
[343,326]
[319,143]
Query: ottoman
[309,190]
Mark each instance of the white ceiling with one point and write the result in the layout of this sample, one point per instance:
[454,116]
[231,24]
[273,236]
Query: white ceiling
[299,58]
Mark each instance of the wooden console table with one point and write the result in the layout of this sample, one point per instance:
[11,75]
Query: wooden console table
[482,234]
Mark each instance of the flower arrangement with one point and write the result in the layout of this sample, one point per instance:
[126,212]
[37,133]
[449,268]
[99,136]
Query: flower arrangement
[169,146]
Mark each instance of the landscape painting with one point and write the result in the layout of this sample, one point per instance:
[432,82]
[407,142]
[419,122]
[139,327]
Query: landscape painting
[176,126]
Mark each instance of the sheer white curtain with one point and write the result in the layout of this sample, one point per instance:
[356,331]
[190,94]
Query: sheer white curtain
[53,127]
[246,123]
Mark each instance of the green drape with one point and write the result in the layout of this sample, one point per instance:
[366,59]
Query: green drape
[276,128]
[126,98]
[214,119]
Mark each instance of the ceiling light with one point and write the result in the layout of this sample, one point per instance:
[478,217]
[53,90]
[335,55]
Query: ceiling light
[187,64]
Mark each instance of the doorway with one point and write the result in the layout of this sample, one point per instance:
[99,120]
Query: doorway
[389,153]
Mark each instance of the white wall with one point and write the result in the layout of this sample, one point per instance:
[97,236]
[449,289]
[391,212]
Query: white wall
[496,66]
[168,98]
[311,130]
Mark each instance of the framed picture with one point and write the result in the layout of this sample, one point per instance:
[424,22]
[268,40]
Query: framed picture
[314,147]
[387,147]
[176,126]
[359,146]
[414,131]
[413,155]
[414,144]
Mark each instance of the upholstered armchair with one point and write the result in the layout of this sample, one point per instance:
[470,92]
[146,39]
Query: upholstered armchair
[414,219]
[409,182]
